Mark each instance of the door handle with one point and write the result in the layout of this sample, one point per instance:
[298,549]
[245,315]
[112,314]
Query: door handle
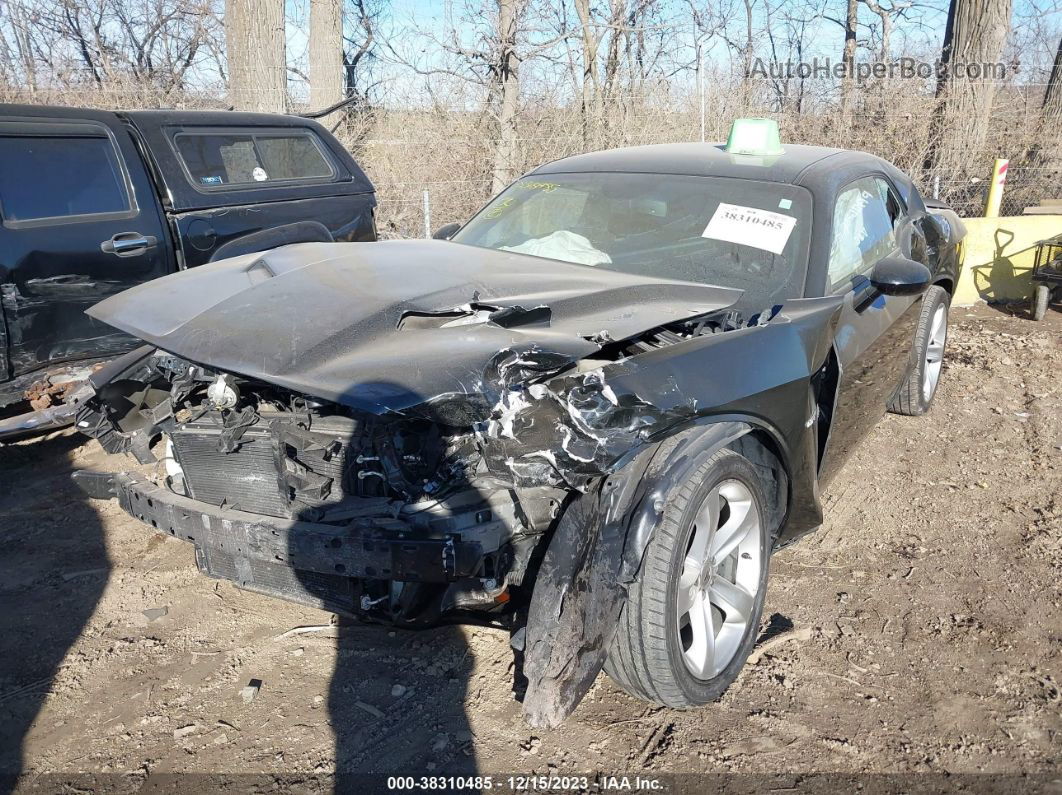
[128,244]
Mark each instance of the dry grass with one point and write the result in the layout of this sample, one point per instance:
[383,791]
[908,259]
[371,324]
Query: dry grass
[447,149]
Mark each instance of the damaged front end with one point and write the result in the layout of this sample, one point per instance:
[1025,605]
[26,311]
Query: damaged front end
[392,519]
[414,517]
[451,450]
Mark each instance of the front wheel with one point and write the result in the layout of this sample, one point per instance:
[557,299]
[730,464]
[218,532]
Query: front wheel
[916,393]
[693,613]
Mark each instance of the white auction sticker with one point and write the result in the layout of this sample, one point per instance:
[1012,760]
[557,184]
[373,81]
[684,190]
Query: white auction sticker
[750,226]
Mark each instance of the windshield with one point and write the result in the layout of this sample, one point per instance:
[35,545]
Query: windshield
[726,232]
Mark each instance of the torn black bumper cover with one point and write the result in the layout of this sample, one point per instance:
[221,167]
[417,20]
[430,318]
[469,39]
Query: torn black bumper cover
[369,547]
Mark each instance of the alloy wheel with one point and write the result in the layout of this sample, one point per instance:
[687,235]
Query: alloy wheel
[938,335]
[720,578]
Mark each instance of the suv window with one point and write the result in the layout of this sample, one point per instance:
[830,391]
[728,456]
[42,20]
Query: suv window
[218,158]
[864,221]
[59,177]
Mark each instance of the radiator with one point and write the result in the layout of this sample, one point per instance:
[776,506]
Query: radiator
[273,471]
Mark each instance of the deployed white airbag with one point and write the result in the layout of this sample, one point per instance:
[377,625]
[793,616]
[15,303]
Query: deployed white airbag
[564,246]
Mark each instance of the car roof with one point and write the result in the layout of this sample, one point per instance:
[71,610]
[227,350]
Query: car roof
[702,160]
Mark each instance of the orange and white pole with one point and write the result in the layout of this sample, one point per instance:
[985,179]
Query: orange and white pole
[995,188]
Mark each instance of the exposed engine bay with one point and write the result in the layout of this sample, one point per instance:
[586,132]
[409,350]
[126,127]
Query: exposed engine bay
[252,448]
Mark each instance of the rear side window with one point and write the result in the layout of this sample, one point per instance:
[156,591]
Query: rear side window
[60,177]
[216,159]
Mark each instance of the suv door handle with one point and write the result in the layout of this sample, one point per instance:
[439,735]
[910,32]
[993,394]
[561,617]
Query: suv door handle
[128,244]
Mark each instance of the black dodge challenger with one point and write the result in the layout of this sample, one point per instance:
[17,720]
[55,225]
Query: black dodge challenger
[589,415]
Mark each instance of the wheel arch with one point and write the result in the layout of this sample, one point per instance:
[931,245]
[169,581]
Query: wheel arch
[947,283]
[762,449]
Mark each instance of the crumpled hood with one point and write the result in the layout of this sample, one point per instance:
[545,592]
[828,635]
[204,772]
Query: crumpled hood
[389,325]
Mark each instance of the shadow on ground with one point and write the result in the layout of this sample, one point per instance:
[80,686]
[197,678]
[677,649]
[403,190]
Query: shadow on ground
[400,739]
[53,569]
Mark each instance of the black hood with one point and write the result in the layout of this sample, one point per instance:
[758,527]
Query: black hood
[389,325]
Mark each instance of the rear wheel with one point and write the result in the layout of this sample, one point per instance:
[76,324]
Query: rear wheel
[918,389]
[693,613]
[1041,298]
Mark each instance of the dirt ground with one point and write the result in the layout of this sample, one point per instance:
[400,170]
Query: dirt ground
[925,618]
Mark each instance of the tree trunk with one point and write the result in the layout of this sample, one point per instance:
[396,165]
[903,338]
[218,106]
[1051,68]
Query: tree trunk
[508,93]
[326,57]
[254,44]
[851,26]
[975,35]
[24,45]
[359,51]
[1052,107]
[590,44]
[612,51]
[1046,152]
[747,52]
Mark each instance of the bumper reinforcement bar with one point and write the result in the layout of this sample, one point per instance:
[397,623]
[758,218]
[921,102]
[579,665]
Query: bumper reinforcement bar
[375,548]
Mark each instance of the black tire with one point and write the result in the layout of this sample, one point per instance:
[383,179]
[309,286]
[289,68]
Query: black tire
[910,398]
[1041,298]
[645,657]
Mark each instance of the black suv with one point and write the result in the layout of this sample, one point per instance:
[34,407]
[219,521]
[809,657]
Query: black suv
[94,202]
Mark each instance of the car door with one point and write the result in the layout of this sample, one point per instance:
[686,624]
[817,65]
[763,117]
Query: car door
[79,221]
[875,332]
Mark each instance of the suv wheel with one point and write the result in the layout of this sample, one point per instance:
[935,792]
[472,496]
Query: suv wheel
[693,613]
[918,389]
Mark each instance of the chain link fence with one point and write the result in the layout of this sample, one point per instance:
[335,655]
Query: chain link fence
[417,208]
[413,207]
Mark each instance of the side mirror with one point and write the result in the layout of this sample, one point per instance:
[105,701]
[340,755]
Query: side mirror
[446,232]
[900,276]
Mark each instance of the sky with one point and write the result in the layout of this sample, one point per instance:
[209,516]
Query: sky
[403,16]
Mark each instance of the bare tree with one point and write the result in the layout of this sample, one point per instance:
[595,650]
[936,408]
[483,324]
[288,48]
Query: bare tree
[115,45]
[620,44]
[850,25]
[590,85]
[17,58]
[505,92]
[788,32]
[886,15]
[255,45]
[1052,105]
[1046,149]
[973,39]
[360,39]
[326,54]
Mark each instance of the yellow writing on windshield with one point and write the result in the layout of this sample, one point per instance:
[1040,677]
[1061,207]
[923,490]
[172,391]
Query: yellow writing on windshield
[543,186]
[499,208]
